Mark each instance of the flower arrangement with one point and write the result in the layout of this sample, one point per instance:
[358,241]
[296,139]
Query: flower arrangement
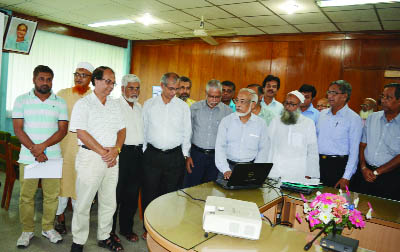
[328,206]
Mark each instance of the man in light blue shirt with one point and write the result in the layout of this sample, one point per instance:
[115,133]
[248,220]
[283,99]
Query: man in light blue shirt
[271,85]
[307,108]
[339,132]
[242,136]
[380,147]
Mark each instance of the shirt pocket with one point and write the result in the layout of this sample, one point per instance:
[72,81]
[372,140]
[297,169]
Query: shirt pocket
[340,131]
[252,141]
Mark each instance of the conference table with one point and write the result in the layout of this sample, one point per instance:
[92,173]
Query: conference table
[174,222]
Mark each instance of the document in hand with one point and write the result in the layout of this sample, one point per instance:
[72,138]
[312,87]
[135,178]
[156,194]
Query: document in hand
[52,168]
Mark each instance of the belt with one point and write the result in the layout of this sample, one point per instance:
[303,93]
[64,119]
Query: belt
[85,147]
[205,151]
[235,163]
[139,146]
[333,156]
[372,167]
[177,148]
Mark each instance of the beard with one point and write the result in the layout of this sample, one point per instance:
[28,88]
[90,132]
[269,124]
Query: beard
[131,99]
[80,89]
[184,96]
[290,117]
[243,114]
[44,89]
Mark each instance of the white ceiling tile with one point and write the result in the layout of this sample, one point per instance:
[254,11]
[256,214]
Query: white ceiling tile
[16,8]
[221,2]
[141,28]
[306,18]
[349,7]
[264,20]
[327,27]
[229,23]
[70,4]
[247,9]
[359,26]
[208,12]
[144,36]
[169,27]
[387,5]
[164,35]
[112,11]
[248,31]
[391,25]
[389,14]
[276,29]
[355,15]
[279,7]
[145,5]
[43,9]
[185,4]
[175,16]
[196,25]
[4,3]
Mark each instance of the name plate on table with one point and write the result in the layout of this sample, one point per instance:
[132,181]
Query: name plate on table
[52,168]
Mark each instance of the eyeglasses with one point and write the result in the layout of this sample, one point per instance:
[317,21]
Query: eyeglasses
[322,106]
[290,104]
[214,97]
[385,97]
[242,101]
[133,88]
[329,92]
[108,82]
[82,75]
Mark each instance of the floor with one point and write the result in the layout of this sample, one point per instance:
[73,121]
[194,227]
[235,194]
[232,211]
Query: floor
[10,229]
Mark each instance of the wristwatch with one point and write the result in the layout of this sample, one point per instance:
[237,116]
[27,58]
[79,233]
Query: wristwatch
[376,173]
[118,149]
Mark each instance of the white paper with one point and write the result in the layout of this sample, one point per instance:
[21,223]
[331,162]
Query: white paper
[52,168]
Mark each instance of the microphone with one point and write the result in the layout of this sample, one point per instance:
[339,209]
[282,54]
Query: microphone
[308,245]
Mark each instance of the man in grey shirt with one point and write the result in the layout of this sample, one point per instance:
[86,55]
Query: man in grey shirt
[206,116]
[380,147]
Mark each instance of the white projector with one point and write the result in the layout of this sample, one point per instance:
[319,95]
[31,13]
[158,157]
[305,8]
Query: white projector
[232,217]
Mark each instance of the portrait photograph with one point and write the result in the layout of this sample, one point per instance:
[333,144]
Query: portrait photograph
[20,35]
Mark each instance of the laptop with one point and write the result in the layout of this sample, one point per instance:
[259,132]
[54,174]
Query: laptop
[246,176]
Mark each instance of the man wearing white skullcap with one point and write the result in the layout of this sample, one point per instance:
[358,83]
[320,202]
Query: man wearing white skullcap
[69,145]
[294,150]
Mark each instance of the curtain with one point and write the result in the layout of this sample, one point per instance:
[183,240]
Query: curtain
[61,53]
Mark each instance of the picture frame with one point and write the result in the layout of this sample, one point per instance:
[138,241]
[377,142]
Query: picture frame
[20,35]
[6,21]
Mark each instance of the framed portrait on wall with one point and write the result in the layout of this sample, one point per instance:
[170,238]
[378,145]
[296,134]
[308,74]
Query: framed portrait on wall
[20,35]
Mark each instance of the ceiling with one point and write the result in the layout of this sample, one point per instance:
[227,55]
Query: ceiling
[175,17]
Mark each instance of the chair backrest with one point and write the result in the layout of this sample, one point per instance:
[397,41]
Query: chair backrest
[12,160]
[4,139]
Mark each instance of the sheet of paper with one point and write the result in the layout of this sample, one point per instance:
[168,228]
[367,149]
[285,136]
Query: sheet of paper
[52,168]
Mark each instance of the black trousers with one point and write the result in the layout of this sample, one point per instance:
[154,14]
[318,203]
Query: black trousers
[162,173]
[386,185]
[204,169]
[331,169]
[129,182]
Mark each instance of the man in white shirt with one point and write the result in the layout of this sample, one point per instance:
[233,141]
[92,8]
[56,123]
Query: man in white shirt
[167,131]
[100,127]
[271,85]
[130,158]
[294,149]
[242,136]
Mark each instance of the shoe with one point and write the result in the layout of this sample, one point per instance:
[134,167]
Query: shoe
[76,247]
[59,226]
[24,239]
[52,235]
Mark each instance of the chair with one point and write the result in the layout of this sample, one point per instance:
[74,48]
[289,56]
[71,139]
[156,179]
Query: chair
[4,138]
[12,171]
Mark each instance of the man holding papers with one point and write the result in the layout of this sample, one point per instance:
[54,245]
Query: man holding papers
[294,150]
[40,121]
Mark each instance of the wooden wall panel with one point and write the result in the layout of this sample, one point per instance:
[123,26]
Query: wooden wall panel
[297,59]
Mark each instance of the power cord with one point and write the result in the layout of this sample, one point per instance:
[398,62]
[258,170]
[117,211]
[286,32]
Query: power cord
[191,196]
[263,217]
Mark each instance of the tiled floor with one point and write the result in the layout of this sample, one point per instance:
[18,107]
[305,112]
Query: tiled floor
[10,229]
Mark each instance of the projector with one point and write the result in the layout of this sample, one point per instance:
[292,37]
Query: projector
[232,217]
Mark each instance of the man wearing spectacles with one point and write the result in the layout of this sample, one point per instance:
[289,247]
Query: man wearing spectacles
[322,104]
[294,149]
[167,131]
[339,132]
[367,108]
[259,110]
[185,85]
[228,92]
[97,119]
[206,116]
[242,136]
[271,85]
[380,147]
[69,145]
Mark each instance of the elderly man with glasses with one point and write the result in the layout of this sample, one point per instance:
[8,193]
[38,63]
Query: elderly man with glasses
[242,136]
[69,145]
[339,132]
[294,149]
[97,119]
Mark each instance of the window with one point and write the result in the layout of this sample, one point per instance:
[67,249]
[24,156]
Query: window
[62,54]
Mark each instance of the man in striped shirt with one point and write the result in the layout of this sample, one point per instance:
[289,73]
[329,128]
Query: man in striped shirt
[40,121]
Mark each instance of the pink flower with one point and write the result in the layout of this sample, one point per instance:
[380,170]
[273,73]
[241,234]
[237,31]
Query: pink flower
[298,218]
[370,206]
[313,221]
[356,220]
[303,198]
[347,191]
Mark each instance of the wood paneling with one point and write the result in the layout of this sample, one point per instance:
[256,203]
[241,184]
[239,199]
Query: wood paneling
[316,59]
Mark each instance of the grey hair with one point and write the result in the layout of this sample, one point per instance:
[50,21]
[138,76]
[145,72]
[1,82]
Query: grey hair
[344,87]
[253,94]
[213,84]
[169,76]
[129,78]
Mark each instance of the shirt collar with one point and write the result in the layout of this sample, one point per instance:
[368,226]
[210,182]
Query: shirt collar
[341,112]
[396,119]
[51,97]
[310,109]
[252,117]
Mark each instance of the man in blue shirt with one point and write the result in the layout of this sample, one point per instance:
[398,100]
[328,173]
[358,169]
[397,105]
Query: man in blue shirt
[228,92]
[339,132]
[307,108]
[380,147]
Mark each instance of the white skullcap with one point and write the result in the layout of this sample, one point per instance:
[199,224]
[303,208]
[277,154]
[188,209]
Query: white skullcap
[298,95]
[86,65]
